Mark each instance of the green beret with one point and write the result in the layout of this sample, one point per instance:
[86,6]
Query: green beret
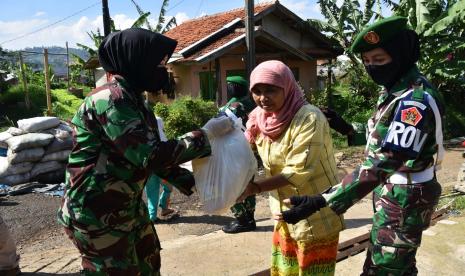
[237,79]
[377,33]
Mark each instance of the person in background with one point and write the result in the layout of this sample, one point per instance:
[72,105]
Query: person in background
[293,140]
[405,135]
[152,190]
[240,104]
[337,123]
[116,147]
[9,259]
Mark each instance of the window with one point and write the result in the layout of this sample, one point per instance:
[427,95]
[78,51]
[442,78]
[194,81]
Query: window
[208,85]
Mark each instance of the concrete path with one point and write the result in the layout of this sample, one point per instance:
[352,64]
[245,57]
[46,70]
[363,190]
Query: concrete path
[217,253]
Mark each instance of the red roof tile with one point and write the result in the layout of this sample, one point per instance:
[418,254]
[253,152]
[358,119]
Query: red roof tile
[194,30]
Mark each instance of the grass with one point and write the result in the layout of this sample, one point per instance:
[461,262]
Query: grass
[457,204]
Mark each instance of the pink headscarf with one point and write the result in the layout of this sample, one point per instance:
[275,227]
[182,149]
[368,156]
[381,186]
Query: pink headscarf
[273,124]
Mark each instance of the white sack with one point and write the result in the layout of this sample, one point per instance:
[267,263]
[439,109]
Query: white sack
[16,131]
[65,126]
[29,140]
[37,124]
[9,169]
[3,137]
[57,133]
[222,177]
[15,179]
[26,155]
[45,167]
[59,145]
[57,156]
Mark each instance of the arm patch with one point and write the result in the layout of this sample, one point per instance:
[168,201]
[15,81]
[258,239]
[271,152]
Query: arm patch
[407,132]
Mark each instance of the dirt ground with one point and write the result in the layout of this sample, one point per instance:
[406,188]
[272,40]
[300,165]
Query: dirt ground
[32,217]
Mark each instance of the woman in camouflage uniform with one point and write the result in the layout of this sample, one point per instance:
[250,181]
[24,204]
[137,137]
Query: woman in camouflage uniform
[405,134]
[116,147]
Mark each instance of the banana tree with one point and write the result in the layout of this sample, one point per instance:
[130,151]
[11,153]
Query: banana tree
[161,27]
[342,23]
[441,27]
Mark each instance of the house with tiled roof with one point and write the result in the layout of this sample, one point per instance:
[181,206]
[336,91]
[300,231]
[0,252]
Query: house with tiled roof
[212,47]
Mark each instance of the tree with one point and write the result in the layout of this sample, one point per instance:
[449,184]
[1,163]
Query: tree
[161,27]
[441,27]
[342,23]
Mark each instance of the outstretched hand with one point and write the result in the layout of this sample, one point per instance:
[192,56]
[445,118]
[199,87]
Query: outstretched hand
[303,207]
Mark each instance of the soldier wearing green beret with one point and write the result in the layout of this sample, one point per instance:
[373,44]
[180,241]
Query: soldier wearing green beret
[404,149]
[240,103]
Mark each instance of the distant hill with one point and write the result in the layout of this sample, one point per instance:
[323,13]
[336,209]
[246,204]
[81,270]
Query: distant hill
[58,63]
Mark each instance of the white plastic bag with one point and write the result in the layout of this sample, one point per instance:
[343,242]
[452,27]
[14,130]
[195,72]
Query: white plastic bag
[222,177]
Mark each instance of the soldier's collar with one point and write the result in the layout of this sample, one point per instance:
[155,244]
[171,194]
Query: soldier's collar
[405,82]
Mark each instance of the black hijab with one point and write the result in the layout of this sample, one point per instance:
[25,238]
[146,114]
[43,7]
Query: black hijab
[135,55]
[404,49]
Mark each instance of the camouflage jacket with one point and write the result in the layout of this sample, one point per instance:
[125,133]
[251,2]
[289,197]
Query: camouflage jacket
[402,139]
[116,147]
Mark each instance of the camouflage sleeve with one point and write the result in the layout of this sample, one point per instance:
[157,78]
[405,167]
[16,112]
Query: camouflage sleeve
[362,181]
[123,126]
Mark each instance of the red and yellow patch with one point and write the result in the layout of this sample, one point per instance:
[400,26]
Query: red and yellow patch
[371,37]
[411,116]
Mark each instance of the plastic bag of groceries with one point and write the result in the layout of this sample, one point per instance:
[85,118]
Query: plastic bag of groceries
[222,177]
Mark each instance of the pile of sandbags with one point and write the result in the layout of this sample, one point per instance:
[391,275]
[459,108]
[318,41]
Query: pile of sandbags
[37,150]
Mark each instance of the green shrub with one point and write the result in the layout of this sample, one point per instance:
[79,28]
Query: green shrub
[64,104]
[454,122]
[184,115]
[15,94]
[12,111]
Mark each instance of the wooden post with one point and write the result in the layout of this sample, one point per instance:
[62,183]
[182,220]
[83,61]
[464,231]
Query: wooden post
[23,76]
[219,88]
[67,62]
[249,36]
[329,89]
[106,18]
[47,83]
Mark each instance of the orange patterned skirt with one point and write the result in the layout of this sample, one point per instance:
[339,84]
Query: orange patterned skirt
[297,258]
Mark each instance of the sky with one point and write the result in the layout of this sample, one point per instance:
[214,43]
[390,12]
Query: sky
[70,20]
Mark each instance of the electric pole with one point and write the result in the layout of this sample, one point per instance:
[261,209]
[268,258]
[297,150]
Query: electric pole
[106,18]
[249,36]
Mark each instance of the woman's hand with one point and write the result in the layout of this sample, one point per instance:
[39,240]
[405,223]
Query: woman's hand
[217,127]
[251,189]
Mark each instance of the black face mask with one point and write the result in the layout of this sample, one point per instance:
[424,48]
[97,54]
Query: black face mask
[385,75]
[159,79]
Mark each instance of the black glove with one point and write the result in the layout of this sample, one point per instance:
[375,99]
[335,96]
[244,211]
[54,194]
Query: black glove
[304,206]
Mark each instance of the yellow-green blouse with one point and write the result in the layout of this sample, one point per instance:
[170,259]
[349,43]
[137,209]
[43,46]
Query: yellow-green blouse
[304,156]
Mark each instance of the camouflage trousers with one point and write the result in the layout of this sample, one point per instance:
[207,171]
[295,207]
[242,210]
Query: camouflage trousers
[242,209]
[402,212]
[118,253]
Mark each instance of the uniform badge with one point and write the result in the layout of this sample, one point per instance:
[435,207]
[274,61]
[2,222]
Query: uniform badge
[371,37]
[411,116]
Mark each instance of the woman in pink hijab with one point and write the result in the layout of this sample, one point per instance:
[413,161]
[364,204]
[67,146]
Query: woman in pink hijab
[293,140]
